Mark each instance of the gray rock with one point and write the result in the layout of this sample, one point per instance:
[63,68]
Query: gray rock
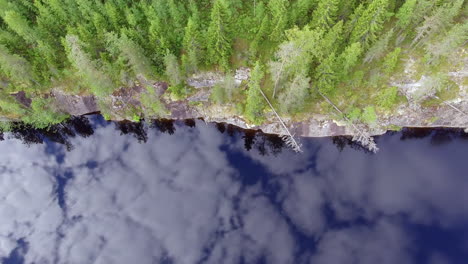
[75,104]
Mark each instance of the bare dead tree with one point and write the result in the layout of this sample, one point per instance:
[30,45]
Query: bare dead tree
[360,135]
[287,137]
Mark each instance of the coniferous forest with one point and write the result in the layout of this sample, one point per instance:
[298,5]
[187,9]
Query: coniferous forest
[299,52]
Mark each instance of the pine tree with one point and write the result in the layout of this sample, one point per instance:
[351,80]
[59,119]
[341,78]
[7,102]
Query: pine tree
[260,35]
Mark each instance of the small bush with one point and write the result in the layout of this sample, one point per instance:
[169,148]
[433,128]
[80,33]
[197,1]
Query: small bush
[369,116]
[355,114]
[388,98]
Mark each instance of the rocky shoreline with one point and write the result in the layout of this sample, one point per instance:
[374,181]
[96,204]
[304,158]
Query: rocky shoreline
[450,114]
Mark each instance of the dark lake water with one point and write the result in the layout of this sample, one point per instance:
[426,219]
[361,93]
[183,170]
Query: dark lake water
[99,192]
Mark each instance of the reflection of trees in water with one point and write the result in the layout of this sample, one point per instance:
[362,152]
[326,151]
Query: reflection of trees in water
[60,133]
[438,137]
[164,126]
[415,133]
[190,122]
[265,144]
[138,130]
[341,142]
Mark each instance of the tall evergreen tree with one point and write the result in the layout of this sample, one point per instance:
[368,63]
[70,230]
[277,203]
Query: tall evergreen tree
[18,69]
[326,13]
[279,21]
[219,40]
[255,103]
[370,24]
[192,46]
[405,13]
[20,25]
[100,84]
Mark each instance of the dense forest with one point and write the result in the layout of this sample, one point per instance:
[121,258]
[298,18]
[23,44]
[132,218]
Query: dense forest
[299,52]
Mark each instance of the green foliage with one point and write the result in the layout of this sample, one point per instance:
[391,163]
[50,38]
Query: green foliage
[279,18]
[342,48]
[387,98]
[350,58]
[132,54]
[326,13]
[449,43]
[405,13]
[326,76]
[192,46]
[15,67]
[151,103]
[100,84]
[370,24]
[10,107]
[173,70]
[219,40]
[391,60]
[5,126]
[354,114]
[43,114]
[223,92]
[369,116]
[293,99]
[255,102]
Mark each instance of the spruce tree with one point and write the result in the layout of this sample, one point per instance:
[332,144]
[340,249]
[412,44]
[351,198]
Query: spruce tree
[219,41]
[100,84]
[370,24]
[18,69]
[279,21]
[255,103]
[325,15]
[191,46]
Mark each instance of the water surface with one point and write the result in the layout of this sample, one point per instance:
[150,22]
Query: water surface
[100,192]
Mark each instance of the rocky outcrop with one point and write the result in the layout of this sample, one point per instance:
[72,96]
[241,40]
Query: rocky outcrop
[75,104]
[451,114]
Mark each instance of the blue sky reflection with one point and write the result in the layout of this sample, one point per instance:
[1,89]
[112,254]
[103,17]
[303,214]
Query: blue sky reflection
[199,197]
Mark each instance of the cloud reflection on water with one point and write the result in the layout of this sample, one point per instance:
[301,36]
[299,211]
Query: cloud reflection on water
[198,197]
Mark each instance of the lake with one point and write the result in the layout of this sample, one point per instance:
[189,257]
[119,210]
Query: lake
[190,192]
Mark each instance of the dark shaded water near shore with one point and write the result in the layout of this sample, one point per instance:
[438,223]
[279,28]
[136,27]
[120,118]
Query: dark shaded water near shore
[189,192]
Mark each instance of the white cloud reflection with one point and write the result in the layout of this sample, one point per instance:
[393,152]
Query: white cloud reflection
[177,199]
